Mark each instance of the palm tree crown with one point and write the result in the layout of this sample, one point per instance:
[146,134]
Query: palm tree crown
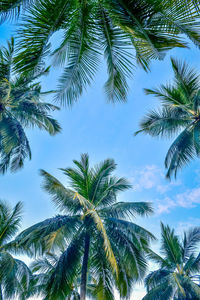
[179,114]
[92,235]
[179,267]
[122,31]
[20,107]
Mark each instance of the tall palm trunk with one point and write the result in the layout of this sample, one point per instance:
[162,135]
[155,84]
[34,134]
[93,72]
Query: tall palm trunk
[84,268]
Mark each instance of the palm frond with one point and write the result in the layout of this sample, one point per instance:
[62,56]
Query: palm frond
[127,209]
[165,122]
[80,48]
[10,220]
[192,265]
[63,197]
[191,241]
[107,193]
[15,145]
[181,152]
[118,56]
[106,243]
[33,45]
[156,278]
[62,278]
[160,291]
[186,78]
[42,236]
[132,228]
[6,58]
[11,9]
[170,246]
[196,138]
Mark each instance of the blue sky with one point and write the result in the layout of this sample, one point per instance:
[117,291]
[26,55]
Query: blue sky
[105,130]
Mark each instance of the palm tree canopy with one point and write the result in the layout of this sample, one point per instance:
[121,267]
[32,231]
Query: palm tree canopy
[179,115]
[91,219]
[21,107]
[179,267]
[121,31]
[15,276]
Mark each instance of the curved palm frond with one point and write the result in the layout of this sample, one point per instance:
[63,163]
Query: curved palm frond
[164,123]
[180,153]
[122,210]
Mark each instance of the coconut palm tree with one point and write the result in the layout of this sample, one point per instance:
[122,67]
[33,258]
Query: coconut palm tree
[178,116]
[21,107]
[93,232]
[15,277]
[179,267]
[121,31]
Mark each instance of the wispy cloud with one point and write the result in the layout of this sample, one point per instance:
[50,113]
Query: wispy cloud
[151,177]
[166,195]
[164,205]
[189,199]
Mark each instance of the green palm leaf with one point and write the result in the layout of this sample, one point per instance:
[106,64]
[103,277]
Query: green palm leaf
[180,153]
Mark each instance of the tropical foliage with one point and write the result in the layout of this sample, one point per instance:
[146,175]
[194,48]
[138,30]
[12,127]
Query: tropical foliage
[93,248]
[92,234]
[16,280]
[179,267]
[46,265]
[21,107]
[178,116]
[121,31]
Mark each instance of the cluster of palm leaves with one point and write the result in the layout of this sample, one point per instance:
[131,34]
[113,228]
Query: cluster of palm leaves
[179,114]
[93,237]
[92,248]
[121,31]
[16,279]
[21,107]
[178,276]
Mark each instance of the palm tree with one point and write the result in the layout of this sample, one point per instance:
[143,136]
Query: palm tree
[178,116]
[93,233]
[15,277]
[178,267]
[21,107]
[121,31]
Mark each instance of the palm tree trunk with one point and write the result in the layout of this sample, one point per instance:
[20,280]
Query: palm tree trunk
[84,268]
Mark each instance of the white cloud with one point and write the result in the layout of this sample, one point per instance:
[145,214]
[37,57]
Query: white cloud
[151,177]
[189,199]
[164,206]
